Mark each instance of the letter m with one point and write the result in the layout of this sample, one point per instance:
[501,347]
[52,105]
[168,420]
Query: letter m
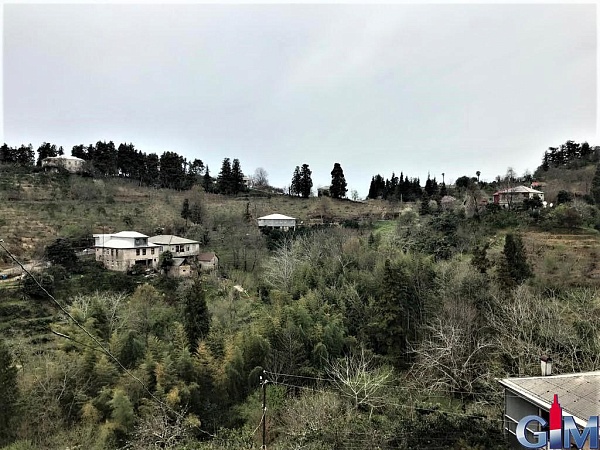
[590,431]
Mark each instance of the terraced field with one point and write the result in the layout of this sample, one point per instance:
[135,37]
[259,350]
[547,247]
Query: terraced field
[561,256]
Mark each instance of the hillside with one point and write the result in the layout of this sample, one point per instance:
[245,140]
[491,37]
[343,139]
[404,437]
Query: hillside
[393,295]
[38,207]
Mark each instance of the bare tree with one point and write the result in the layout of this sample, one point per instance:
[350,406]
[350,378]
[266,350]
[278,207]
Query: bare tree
[260,177]
[451,358]
[280,267]
[162,430]
[357,378]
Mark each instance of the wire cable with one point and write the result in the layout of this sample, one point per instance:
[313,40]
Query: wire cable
[101,347]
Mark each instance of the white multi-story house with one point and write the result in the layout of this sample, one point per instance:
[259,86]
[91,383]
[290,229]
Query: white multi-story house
[121,251]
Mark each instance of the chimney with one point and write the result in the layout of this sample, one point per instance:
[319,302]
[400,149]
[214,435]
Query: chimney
[546,364]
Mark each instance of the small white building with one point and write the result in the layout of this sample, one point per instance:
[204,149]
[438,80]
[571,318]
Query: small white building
[69,163]
[121,251]
[277,221]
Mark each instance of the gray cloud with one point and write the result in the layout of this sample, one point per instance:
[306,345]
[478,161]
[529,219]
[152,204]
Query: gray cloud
[413,88]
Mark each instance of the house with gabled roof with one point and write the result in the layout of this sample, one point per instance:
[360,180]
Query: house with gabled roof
[123,250]
[516,195]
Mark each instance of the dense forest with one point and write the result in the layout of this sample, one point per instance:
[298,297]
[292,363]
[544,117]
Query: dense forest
[384,334]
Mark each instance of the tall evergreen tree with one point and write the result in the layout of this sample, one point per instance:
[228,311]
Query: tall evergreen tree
[196,315]
[306,182]
[338,187]
[237,177]
[25,155]
[152,170]
[172,170]
[295,185]
[207,181]
[514,268]
[224,184]
[545,162]
[185,211]
[46,150]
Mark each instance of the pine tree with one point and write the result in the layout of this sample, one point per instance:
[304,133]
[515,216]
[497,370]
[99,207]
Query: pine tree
[237,177]
[338,187]
[545,162]
[224,180]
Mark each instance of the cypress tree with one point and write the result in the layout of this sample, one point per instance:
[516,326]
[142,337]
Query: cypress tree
[514,268]
[338,182]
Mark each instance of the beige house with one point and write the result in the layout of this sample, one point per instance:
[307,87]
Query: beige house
[178,246]
[208,261]
[70,163]
[126,249]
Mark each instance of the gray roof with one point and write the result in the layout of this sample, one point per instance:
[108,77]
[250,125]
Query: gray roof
[276,217]
[519,190]
[170,239]
[578,393]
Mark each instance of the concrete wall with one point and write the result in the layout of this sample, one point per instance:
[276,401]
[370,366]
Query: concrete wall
[121,259]
[188,249]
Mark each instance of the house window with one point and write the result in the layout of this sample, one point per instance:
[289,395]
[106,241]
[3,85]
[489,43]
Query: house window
[188,248]
[112,252]
[143,251]
[117,252]
[152,251]
[137,252]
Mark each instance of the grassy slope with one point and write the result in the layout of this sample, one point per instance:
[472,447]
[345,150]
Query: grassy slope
[42,208]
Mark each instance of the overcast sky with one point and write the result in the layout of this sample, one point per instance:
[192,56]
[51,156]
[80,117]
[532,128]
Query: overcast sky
[404,87]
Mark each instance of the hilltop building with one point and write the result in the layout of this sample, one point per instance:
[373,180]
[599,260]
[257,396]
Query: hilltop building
[516,195]
[277,221]
[69,163]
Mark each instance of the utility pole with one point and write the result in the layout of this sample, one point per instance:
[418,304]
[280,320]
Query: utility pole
[263,382]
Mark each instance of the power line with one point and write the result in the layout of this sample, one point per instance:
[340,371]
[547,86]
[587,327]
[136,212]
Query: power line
[101,348]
